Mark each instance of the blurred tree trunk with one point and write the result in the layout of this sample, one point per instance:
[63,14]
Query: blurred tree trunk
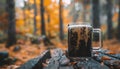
[61,20]
[95,14]
[35,14]
[43,31]
[24,13]
[48,20]
[84,10]
[11,25]
[75,16]
[109,19]
[42,19]
[118,28]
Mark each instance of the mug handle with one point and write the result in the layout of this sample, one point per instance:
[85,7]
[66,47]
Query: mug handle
[97,30]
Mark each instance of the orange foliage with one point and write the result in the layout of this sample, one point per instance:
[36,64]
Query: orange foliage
[51,9]
[115,17]
[47,3]
[31,1]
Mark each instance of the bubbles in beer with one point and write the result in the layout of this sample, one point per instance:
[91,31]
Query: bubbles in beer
[79,40]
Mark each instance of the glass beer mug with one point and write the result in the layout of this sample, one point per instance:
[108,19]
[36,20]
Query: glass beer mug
[80,38]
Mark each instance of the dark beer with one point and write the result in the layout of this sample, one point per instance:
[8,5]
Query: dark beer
[79,40]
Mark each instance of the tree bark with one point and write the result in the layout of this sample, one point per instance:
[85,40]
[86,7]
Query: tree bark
[48,20]
[95,14]
[61,20]
[35,14]
[42,19]
[118,28]
[109,19]
[84,10]
[24,13]
[11,25]
[43,31]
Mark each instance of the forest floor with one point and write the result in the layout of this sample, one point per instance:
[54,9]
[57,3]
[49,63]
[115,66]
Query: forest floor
[27,51]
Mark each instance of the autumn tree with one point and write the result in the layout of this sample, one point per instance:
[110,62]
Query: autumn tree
[84,10]
[42,19]
[61,20]
[48,20]
[43,31]
[24,15]
[74,11]
[109,19]
[11,25]
[95,14]
[35,14]
[118,28]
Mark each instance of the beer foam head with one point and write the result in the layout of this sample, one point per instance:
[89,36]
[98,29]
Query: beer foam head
[77,26]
